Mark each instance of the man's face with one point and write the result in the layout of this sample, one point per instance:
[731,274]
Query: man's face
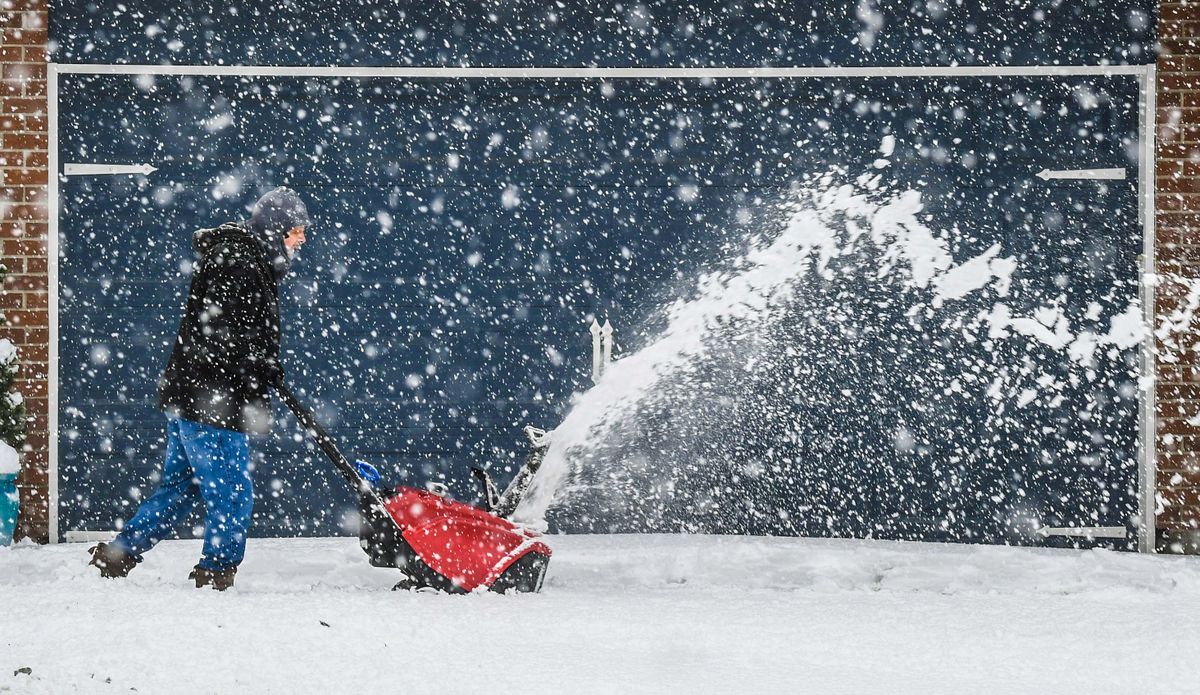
[294,240]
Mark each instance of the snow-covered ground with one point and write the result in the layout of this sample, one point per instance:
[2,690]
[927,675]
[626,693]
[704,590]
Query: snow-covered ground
[618,614]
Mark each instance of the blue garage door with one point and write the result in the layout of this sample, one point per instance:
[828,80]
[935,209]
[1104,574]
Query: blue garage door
[467,231]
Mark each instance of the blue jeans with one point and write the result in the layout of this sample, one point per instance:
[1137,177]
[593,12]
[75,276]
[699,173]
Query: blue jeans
[206,463]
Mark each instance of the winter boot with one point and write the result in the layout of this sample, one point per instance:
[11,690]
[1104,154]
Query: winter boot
[218,580]
[111,560]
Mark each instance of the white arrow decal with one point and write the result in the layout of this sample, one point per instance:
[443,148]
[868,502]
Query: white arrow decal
[1084,532]
[1112,174]
[78,169]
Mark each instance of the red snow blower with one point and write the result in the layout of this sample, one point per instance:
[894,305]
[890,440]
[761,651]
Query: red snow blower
[434,541]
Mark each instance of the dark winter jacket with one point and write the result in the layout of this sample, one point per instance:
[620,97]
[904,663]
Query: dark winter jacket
[229,336]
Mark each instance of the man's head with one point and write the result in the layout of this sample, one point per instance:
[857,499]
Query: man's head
[278,222]
[277,214]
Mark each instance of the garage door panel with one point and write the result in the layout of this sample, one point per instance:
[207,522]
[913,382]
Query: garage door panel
[465,232]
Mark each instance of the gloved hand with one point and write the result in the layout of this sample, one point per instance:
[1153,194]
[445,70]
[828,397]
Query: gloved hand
[271,371]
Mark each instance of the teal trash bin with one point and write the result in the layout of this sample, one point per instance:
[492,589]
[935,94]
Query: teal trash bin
[8,507]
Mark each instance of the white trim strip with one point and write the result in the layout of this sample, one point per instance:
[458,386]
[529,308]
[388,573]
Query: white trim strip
[89,536]
[605,73]
[1089,532]
[93,169]
[1110,174]
[1148,461]
[52,295]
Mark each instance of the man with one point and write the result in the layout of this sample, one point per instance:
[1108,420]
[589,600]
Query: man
[215,390]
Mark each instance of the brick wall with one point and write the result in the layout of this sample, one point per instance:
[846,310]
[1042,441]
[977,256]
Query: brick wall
[1178,252]
[23,227]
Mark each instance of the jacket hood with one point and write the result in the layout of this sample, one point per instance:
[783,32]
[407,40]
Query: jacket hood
[205,240]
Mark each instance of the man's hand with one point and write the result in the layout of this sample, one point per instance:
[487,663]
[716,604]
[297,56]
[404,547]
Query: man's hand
[272,372]
[264,369]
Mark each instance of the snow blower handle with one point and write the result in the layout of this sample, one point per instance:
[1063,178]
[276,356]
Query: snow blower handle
[324,441]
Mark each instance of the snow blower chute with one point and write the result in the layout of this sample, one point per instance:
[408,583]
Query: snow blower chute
[437,542]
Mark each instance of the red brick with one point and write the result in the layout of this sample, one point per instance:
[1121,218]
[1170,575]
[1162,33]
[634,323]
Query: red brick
[33,522]
[31,388]
[1177,11]
[39,419]
[39,6]
[1178,46]
[24,121]
[1177,114]
[1179,373]
[1175,168]
[1178,480]
[26,335]
[1170,253]
[1185,359]
[23,105]
[1185,497]
[36,300]
[36,266]
[35,353]
[24,247]
[1183,29]
[1178,426]
[1186,221]
[1179,81]
[1179,518]
[23,71]
[1180,462]
[37,405]
[1177,202]
[17,283]
[1184,392]
[26,141]
[1165,236]
[34,195]
[12,158]
[32,475]
[1179,134]
[1189,152]
[25,177]
[24,37]
[1181,63]
[23,212]
[40,317]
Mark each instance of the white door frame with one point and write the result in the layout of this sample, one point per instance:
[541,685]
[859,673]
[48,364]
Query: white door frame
[1146,102]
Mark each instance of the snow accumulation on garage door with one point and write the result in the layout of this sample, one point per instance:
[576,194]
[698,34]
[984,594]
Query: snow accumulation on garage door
[896,306]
